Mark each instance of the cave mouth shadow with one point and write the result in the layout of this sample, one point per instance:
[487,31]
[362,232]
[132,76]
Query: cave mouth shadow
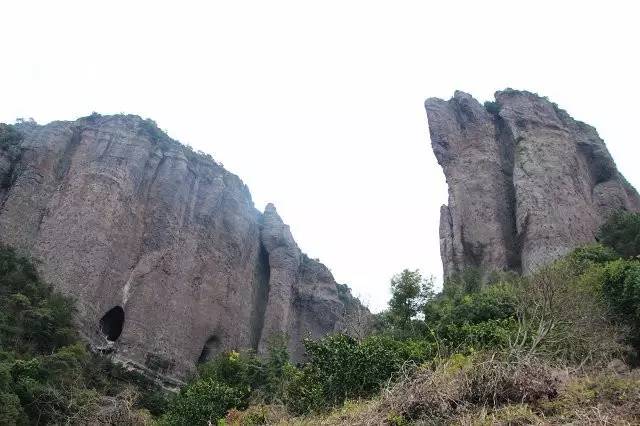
[112,322]
[210,350]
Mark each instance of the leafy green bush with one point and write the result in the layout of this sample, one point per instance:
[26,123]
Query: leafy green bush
[622,233]
[202,401]
[591,254]
[492,303]
[621,287]
[49,388]
[242,371]
[156,401]
[262,378]
[339,368]
[465,322]
[494,334]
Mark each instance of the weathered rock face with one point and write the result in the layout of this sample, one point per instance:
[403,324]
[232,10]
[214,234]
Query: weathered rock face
[527,183]
[163,249]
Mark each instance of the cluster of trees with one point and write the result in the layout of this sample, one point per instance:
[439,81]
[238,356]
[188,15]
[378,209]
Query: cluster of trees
[583,310]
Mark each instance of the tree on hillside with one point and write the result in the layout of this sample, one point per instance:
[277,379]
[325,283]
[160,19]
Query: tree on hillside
[409,293]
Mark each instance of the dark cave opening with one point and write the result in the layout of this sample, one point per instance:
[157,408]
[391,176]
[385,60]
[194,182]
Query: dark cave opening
[209,350]
[112,323]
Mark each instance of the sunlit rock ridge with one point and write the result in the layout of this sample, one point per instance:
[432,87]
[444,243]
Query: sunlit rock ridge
[162,248]
[527,183]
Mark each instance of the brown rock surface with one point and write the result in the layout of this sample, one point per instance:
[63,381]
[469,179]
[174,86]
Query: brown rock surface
[527,183]
[162,247]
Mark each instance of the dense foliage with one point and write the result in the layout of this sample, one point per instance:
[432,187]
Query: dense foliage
[202,401]
[38,357]
[32,319]
[622,233]
[9,136]
[339,368]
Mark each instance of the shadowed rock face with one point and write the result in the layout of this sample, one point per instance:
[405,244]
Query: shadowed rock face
[527,183]
[163,249]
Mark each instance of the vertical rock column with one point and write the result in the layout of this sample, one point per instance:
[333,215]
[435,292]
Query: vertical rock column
[476,227]
[527,183]
[284,263]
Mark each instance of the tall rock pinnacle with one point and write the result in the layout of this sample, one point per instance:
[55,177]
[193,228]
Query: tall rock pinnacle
[527,183]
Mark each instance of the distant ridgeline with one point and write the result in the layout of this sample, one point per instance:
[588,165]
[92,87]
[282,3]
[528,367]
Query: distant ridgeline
[527,183]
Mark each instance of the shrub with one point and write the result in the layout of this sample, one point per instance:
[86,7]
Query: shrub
[563,316]
[11,411]
[586,256]
[492,107]
[202,401]
[434,392]
[468,338]
[305,393]
[496,382]
[465,282]
[339,368]
[622,233]
[257,415]
[621,287]
[496,302]
[468,322]
[263,379]
[241,371]
[448,389]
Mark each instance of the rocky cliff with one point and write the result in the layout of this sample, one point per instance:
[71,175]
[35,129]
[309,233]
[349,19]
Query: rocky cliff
[527,183]
[168,259]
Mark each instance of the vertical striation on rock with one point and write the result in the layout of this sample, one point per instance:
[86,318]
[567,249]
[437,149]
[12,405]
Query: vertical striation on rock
[476,228]
[303,297]
[527,183]
[163,249]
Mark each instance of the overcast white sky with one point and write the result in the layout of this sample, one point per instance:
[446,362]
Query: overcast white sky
[318,106]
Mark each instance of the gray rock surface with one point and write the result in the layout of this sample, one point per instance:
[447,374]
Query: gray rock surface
[163,249]
[527,183]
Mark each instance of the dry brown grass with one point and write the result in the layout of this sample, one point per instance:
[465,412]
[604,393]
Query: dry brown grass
[486,390]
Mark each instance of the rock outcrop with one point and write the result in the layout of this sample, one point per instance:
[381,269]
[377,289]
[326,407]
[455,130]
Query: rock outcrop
[168,259]
[527,183]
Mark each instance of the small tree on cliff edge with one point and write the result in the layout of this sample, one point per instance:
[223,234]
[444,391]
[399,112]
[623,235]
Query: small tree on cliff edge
[409,293]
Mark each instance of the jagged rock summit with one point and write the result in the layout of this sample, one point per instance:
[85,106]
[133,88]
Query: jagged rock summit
[527,183]
[162,247]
